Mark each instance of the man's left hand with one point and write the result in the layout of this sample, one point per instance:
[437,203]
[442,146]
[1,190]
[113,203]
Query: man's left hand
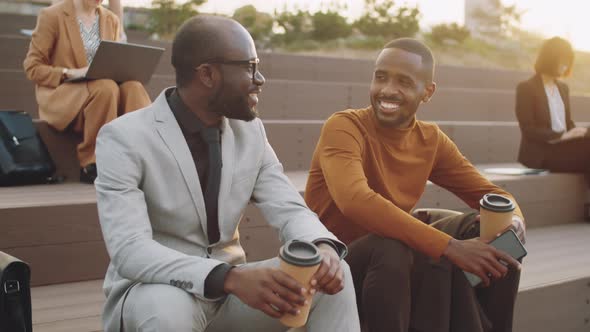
[519,228]
[329,278]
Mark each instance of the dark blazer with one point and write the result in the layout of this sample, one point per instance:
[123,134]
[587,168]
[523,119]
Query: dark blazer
[534,119]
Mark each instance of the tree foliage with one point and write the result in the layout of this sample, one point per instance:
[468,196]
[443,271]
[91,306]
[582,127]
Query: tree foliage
[329,25]
[297,26]
[167,15]
[381,18]
[259,24]
[442,33]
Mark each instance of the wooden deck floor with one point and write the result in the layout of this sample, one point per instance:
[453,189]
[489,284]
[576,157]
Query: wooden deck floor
[73,307]
[46,195]
[556,254]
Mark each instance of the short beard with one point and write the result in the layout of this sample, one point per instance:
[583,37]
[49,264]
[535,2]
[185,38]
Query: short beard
[235,107]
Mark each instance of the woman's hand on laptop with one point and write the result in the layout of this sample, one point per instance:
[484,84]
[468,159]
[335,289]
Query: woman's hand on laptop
[76,73]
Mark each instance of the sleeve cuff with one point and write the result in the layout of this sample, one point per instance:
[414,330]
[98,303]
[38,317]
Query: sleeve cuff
[338,246]
[215,280]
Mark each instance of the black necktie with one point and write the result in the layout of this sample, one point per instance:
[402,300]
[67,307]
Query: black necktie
[211,136]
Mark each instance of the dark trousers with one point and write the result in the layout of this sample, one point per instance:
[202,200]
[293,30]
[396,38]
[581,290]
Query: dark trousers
[569,156]
[399,289]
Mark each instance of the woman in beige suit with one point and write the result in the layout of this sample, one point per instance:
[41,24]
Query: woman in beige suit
[64,42]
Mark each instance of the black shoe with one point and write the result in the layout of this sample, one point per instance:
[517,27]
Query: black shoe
[88,174]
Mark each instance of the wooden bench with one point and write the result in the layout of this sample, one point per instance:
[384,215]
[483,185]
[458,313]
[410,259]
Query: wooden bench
[481,142]
[294,141]
[58,224]
[317,100]
[555,279]
[338,69]
[289,66]
[310,100]
[17,92]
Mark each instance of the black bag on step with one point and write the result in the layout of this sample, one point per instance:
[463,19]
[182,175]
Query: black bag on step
[24,158]
[15,295]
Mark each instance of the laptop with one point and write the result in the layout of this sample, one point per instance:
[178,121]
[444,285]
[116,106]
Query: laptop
[122,62]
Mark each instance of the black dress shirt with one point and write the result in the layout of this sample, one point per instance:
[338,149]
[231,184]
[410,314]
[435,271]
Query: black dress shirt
[191,127]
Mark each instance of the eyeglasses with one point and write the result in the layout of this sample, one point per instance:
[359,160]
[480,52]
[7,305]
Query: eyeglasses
[253,64]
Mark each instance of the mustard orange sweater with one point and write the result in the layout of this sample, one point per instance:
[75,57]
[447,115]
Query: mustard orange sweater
[366,178]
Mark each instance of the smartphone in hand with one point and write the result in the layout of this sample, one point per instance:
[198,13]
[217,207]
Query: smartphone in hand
[509,243]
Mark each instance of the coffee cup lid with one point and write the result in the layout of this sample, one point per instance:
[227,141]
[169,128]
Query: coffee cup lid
[300,253]
[496,203]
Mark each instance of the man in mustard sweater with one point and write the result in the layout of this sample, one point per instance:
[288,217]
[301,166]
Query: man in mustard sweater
[368,172]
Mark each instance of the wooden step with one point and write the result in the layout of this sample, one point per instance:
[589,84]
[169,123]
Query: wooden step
[333,69]
[553,292]
[12,23]
[294,141]
[308,100]
[316,100]
[546,199]
[17,92]
[57,225]
[302,67]
[55,229]
[13,49]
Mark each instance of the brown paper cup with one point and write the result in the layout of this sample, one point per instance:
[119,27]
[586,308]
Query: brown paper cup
[300,260]
[495,215]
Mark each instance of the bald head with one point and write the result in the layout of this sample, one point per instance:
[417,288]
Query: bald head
[203,38]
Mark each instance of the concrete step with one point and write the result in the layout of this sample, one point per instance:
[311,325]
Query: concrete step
[553,294]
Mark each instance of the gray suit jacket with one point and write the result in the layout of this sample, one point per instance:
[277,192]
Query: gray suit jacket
[151,206]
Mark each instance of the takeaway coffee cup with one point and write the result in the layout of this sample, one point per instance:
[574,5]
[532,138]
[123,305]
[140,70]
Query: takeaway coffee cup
[300,260]
[495,215]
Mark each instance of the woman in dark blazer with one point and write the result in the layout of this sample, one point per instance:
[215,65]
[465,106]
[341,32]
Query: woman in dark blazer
[550,139]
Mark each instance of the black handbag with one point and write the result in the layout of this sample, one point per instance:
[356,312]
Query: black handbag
[15,295]
[24,158]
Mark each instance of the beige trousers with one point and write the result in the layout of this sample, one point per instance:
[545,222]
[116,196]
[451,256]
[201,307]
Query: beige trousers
[107,100]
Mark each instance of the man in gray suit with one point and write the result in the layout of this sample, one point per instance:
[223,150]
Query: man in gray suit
[173,181]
